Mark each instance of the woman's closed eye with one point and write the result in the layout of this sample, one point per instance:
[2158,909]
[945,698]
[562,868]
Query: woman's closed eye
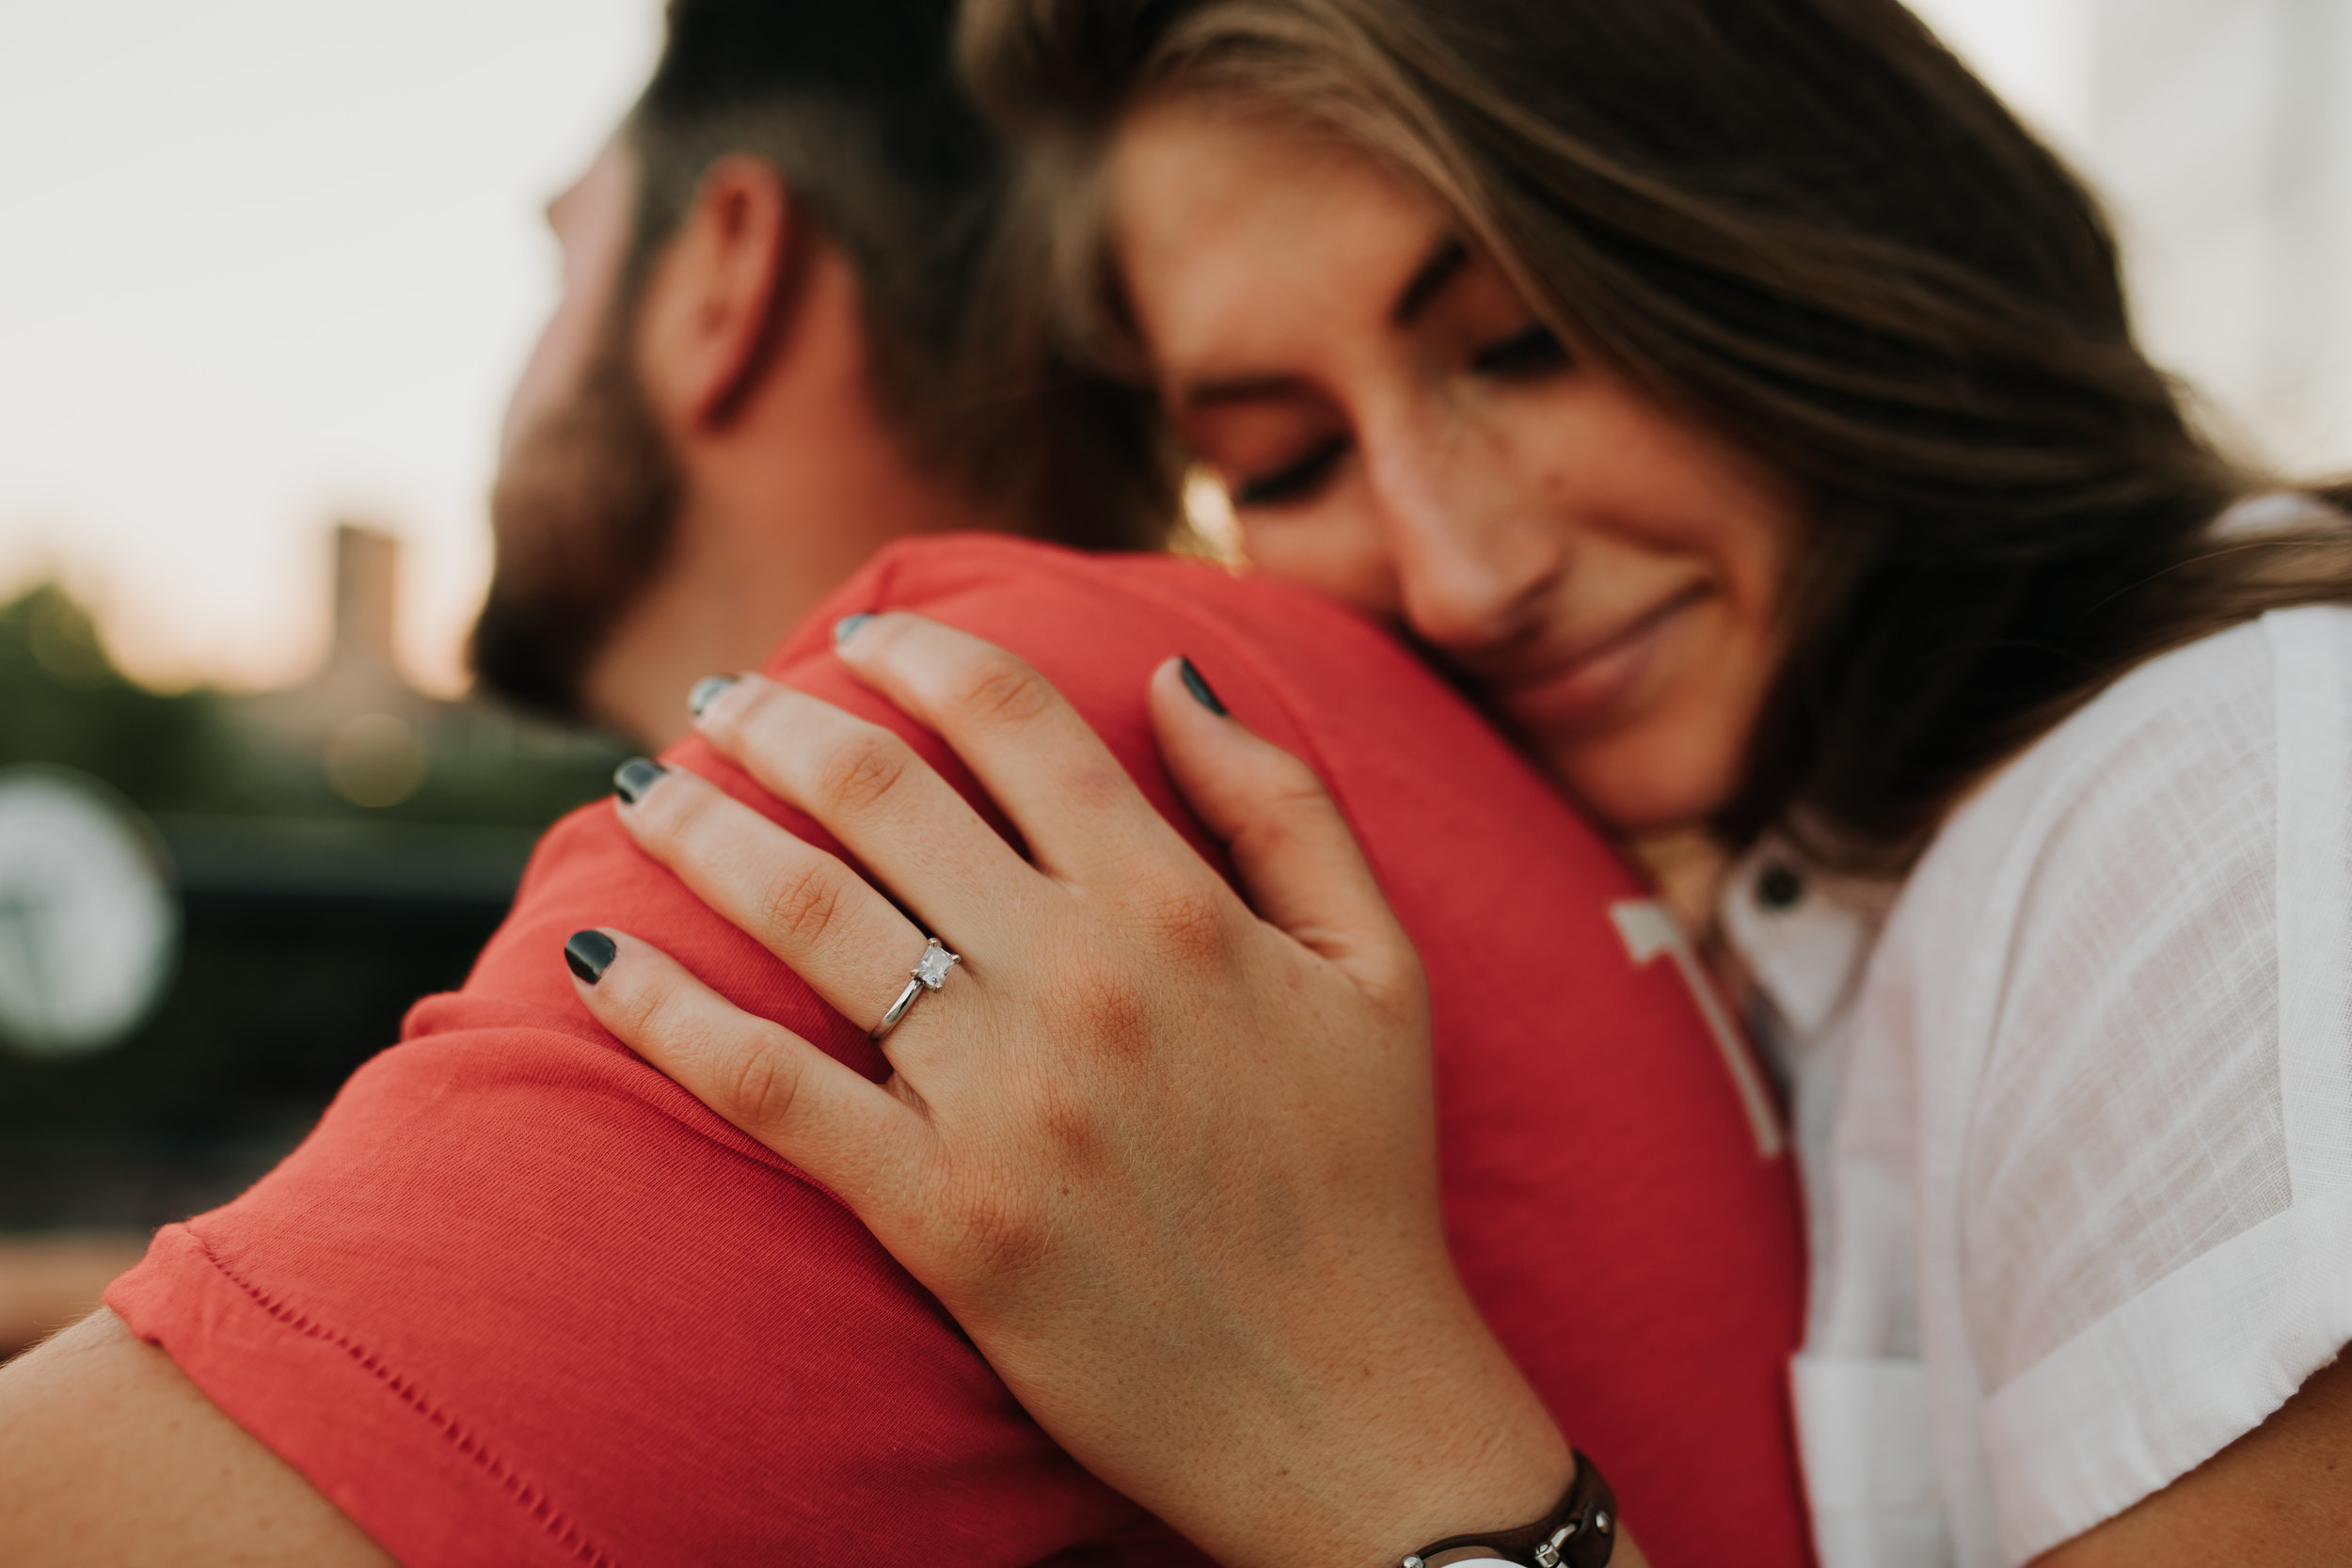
[1294,480]
[1526,355]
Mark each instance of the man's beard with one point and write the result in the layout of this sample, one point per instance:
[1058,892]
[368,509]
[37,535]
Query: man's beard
[582,514]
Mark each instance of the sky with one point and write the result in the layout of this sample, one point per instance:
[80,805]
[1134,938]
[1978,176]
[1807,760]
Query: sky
[266,263]
[272,262]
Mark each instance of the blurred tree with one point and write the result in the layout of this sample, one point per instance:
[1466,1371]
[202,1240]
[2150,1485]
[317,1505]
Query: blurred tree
[62,702]
[313,917]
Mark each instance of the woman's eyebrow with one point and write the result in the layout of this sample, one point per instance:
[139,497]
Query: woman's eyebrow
[1429,280]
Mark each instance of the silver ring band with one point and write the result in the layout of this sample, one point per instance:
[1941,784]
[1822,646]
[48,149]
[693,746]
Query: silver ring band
[897,1011]
[928,974]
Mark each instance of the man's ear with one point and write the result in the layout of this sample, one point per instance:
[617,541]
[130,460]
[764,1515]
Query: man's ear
[715,295]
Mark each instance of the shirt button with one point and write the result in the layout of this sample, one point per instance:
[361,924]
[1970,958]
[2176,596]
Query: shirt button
[1778,888]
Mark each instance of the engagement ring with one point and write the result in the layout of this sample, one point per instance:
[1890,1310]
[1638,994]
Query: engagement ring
[929,973]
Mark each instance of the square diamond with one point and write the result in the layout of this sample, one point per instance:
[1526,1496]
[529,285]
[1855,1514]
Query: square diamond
[933,967]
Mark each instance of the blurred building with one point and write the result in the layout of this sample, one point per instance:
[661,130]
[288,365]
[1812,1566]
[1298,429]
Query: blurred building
[358,713]
[360,671]
[2221,133]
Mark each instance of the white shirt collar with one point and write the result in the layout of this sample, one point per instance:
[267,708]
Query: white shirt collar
[1803,933]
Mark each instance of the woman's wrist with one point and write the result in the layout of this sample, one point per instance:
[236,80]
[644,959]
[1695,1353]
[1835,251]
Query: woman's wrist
[1379,1460]
[1487,1456]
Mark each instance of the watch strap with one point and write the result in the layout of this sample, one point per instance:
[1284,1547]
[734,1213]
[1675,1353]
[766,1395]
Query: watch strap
[1580,1532]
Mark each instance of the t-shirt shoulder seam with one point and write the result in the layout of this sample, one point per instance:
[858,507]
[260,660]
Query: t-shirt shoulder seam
[524,1494]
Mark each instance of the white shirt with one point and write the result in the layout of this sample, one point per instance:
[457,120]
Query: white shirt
[2075,1122]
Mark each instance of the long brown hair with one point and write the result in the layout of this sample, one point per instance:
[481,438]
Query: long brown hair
[1807,224]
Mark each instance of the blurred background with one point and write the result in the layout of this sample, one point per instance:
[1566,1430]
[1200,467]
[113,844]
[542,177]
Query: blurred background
[268,268]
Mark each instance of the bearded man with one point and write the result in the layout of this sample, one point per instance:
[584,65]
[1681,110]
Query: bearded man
[783,341]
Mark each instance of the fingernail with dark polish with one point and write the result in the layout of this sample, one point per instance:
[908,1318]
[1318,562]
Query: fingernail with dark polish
[706,691]
[848,627]
[634,777]
[1198,687]
[589,954]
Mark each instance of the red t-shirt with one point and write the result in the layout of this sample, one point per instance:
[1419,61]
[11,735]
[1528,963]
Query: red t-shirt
[519,1299]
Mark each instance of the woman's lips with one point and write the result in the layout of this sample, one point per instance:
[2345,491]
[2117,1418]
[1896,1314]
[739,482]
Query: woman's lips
[1587,685]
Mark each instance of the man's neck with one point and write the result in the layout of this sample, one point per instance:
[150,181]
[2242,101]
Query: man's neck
[747,564]
[787,493]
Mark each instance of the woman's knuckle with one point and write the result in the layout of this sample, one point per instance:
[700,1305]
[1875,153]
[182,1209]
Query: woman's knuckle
[1097,786]
[1278,832]
[1068,1125]
[862,769]
[1399,977]
[998,688]
[1003,1225]
[1107,1006]
[1291,784]
[803,902]
[1297,802]
[761,1088]
[633,1012]
[1189,918]
[660,1016]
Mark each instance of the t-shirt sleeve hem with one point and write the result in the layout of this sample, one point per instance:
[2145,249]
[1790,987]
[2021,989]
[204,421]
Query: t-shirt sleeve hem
[429,1492]
[2150,1391]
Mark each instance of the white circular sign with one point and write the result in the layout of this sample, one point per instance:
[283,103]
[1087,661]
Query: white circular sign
[88,925]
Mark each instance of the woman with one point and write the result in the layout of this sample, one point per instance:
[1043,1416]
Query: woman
[1743,405]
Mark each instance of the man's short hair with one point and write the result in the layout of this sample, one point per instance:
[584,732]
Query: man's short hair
[858,108]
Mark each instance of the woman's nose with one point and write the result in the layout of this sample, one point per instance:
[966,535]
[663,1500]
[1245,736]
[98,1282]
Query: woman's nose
[1473,569]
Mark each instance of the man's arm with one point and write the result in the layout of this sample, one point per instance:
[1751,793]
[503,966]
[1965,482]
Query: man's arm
[109,1456]
[49,1282]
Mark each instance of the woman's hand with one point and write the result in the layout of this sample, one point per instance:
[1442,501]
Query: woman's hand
[1171,1165]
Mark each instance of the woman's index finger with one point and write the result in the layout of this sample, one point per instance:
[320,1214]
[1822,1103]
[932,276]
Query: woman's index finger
[1035,753]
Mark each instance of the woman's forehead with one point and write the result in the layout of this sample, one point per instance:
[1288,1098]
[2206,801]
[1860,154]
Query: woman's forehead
[1234,230]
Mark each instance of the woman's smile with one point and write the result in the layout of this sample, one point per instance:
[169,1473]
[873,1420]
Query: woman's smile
[1598,678]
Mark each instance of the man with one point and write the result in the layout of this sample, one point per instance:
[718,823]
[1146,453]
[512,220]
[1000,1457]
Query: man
[521,1300]
[782,275]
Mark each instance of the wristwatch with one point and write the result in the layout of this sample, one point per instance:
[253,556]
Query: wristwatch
[1580,1532]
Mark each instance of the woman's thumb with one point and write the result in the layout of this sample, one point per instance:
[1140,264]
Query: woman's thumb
[1299,865]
